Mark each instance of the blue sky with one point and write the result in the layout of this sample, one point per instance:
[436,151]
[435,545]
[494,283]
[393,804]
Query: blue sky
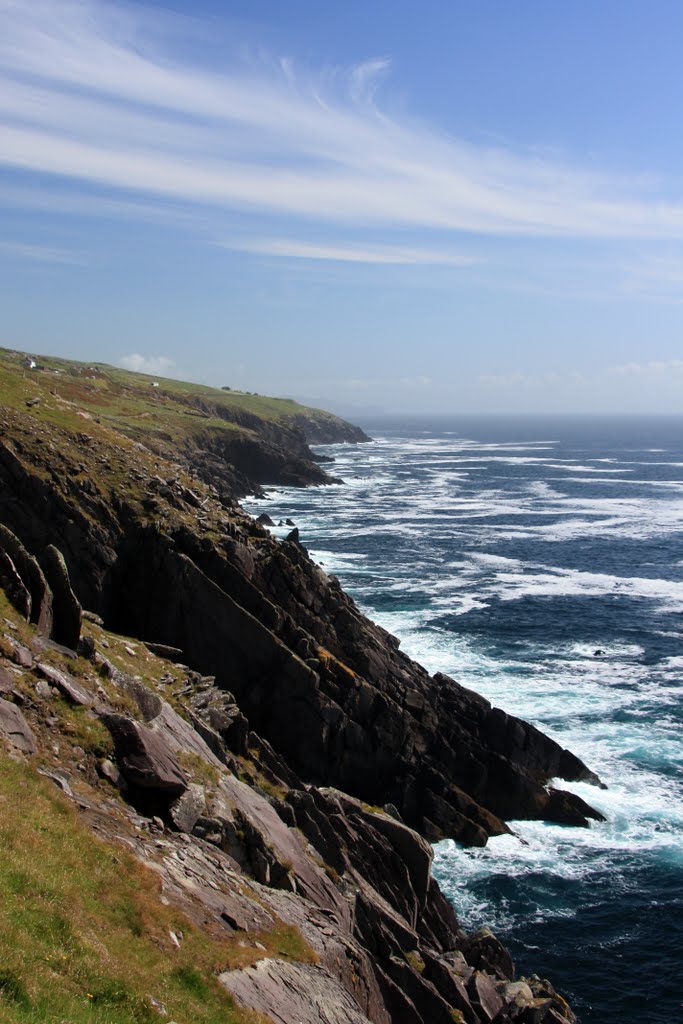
[447,207]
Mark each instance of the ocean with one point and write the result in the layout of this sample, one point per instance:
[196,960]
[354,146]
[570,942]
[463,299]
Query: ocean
[539,561]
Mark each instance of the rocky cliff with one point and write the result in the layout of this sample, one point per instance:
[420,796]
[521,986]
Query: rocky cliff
[277,747]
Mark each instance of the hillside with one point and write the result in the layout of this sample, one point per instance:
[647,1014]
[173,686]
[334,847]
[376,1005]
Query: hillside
[225,714]
[235,440]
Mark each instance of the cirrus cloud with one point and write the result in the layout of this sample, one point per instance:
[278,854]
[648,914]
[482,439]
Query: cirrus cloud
[98,94]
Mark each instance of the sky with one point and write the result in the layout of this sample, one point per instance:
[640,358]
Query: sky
[450,207]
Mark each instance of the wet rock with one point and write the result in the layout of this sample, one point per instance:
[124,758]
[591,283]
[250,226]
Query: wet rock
[569,809]
[265,520]
[486,953]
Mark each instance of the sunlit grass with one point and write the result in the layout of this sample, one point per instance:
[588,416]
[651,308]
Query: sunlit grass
[83,934]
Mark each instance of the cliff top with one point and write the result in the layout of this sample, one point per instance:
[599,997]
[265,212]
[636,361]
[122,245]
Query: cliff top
[159,410]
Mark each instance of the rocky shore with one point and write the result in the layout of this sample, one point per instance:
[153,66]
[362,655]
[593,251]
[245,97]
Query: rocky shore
[271,752]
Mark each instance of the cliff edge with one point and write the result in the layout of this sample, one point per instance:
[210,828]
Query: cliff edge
[269,750]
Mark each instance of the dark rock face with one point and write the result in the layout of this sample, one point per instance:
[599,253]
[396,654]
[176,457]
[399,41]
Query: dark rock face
[66,628]
[330,691]
[328,429]
[13,585]
[31,575]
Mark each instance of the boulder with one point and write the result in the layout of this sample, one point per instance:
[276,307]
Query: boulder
[486,953]
[484,996]
[15,728]
[188,808]
[108,770]
[145,758]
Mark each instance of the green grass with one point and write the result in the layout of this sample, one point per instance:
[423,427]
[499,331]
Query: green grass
[83,934]
[128,400]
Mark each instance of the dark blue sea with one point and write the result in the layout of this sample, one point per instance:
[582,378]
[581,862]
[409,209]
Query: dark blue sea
[540,562]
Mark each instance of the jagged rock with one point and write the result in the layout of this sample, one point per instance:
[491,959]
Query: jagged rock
[542,989]
[66,610]
[433,1009]
[551,1016]
[517,995]
[232,726]
[32,577]
[450,985]
[15,728]
[74,692]
[484,996]
[165,651]
[145,757]
[486,953]
[188,808]
[569,809]
[265,520]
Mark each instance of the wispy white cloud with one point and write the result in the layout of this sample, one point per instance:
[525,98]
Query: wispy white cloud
[514,379]
[417,383]
[653,368]
[391,254]
[40,253]
[657,277]
[96,93]
[160,366]
[545,379]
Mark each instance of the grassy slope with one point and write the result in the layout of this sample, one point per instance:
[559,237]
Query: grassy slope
[70,392]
